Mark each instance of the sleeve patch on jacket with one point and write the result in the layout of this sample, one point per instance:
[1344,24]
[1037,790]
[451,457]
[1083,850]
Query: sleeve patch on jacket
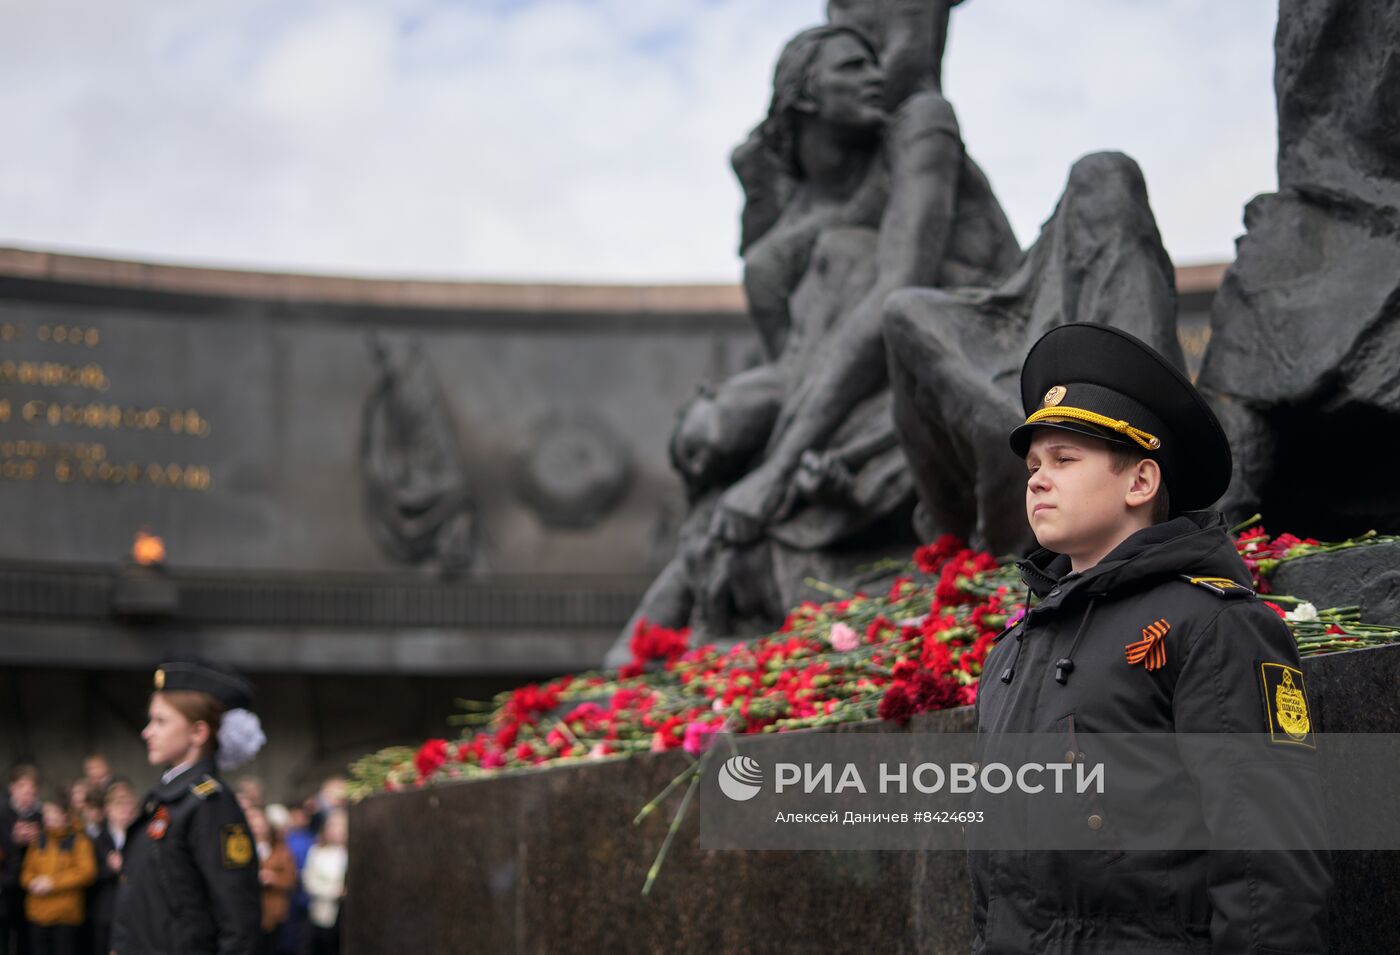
[1285,704]
[237,845]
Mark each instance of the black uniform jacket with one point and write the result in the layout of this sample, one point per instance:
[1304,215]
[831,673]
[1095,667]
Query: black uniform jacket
[102,894]
[1216,636]
[11,859]
[189,883]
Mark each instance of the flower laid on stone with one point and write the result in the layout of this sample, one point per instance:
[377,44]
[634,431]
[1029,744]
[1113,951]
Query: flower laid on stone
[1304,612]
[844,638]
[918,647]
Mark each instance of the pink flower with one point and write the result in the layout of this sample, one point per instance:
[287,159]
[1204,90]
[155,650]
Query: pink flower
[844,638]
[698,737]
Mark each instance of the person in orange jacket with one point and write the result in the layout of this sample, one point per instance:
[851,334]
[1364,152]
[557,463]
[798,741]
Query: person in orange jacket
[57,868]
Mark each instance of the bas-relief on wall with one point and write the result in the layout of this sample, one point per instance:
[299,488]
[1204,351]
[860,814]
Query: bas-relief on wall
[418,502]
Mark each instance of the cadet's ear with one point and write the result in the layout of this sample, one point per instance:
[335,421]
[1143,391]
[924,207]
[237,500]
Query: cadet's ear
[1145,485]
[200,733]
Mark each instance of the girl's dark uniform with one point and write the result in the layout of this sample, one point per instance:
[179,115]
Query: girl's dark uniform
[1163,635]
[189,883]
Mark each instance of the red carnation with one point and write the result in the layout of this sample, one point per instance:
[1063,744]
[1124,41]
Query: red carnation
[904,670]
[896,705]
[932,692]
[875,631]
[931,557]
[650,642]
[505,737]
[430,757]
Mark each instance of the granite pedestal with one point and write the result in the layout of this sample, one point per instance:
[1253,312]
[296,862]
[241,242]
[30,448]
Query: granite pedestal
[549,862]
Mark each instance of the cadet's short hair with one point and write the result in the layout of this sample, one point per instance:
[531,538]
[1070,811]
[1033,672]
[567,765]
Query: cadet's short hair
[1121,457]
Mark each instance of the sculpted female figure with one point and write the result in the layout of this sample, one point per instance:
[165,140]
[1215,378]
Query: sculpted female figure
[854,188]
[926,216]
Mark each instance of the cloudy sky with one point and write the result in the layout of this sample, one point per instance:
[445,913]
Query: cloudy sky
[582,140]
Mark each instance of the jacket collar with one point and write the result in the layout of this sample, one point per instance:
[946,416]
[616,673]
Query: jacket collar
[1195,542]
[167,792]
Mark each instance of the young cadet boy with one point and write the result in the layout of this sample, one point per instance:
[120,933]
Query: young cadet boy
[1145,624]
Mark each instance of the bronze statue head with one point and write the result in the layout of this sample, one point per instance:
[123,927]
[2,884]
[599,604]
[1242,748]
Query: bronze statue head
[830,74]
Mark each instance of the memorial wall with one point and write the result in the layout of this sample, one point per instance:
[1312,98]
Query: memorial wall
[275,431]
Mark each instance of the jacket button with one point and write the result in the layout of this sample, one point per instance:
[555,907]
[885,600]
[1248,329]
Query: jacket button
[1096,822]
[1069,756]
[1055,592]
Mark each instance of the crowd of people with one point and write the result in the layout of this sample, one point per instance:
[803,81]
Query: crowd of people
[61,860]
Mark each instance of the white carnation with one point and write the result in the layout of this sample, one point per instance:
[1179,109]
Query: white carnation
[1303,613]
[240,738]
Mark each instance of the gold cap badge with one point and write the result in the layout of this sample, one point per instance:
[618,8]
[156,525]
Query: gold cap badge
[1054,396]
[160,679]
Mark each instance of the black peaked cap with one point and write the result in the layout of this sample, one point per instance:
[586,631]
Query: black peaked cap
[1133,396]
[221,682]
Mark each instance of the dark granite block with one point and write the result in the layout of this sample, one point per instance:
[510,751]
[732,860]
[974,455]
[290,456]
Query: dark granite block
[549,861]
[1369,576]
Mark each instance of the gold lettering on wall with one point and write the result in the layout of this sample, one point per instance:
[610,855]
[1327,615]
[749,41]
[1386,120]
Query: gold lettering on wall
[186,477]
[51,374]
[82,451]
[81,335]
[84,462]
[114,417]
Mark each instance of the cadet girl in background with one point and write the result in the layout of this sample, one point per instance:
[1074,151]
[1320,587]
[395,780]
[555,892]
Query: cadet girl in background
[189,882]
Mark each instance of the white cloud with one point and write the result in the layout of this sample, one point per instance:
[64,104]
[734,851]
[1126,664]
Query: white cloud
[331,67]
[1185,87]
[562,139]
